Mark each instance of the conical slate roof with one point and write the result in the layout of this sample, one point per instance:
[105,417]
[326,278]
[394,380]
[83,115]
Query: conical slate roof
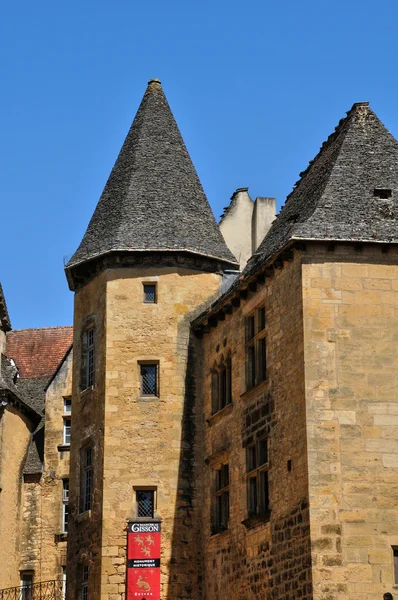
[4,316]
[153,199]
[349,192]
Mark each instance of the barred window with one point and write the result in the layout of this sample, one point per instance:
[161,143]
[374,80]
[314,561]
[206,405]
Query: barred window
[84,583]
[86,481]
[66,432]
[257,478]
[150,293]
[145,500]
[256,355]
[65,505]
[149,379]
[88,357]
[221,385]
[220,499]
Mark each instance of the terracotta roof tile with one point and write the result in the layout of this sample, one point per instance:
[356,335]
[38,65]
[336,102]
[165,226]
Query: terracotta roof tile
[38,352]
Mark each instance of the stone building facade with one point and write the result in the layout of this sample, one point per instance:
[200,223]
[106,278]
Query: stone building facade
[241,407]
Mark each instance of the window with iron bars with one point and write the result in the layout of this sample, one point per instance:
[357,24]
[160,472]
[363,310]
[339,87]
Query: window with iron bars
[149,379]
[257,478]
[221,385]
[65,505]
[220,504]
[150,293]
[145,501]
[256,351]
[88,357]
[84,583]
[86,481]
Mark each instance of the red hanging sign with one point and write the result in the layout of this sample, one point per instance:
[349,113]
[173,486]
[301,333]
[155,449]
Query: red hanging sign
[143,561]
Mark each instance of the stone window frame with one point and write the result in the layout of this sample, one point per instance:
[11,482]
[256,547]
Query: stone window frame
[220,505]
[221,384]
[26,579]
[88,354]
[145,488]
[86,478]
[256,346]
[67,405]
[257,473]
[65,504]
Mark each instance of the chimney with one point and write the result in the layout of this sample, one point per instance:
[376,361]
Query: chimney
[264,212]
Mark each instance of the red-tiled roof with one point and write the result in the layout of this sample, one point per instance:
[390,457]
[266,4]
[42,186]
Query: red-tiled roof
[38,352]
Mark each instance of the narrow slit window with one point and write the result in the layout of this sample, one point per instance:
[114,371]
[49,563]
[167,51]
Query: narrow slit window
[88,358]
[221,499]
[86,479]
[395,555]
[149,293]
[257,478]
[256,348]
[67,428]
[84,586]
[65,505]
[67,406]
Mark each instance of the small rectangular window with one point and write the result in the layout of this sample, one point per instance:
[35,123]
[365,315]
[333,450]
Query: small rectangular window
[382,193]
[86,481]
[220,504]
[149,293]
[257,478]
[221,386]
[88,357]
[145,500]
[395,554]
[256,349]
[84,583]
[67,426]
[67,406]
[149,379]
[26,585]
[65,505]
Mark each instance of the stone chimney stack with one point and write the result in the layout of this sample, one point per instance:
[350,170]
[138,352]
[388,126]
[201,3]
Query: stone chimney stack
[245,223]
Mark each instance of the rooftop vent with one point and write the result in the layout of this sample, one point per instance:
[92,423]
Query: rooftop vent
[383,194]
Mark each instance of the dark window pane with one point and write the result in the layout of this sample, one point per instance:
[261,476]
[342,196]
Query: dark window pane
[251,366]
[261,319]
[214,391]
[229,382]
[262,360]
[149,293]
[250,332]
[263,493]
[149,380]
[395,565]
[252,495]
[251,458]
[145,503]
[223,387]
[262,452]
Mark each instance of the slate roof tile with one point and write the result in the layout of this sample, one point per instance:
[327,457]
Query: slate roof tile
[4,316]
[153,199]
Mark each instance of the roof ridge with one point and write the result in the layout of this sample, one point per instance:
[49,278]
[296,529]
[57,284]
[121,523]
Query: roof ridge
[49,327]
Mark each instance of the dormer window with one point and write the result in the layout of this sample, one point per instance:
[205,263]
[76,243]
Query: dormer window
[382,193]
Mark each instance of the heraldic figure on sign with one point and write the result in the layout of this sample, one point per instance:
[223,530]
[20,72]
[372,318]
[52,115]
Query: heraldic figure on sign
[143,561]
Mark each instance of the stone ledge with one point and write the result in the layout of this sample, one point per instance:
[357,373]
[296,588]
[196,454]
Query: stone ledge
[256,520]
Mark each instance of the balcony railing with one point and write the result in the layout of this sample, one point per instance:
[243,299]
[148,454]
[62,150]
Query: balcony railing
[44,590]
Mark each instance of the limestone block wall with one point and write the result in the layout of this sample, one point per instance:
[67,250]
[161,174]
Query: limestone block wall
[56,467]
[148,441]
[15,432]
[350,299]
[270,558]
[85,529]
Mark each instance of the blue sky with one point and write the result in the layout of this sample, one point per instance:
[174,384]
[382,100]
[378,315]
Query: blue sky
[256,87]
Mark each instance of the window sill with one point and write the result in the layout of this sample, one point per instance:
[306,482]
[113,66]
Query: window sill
[87,391]
[83,516]
[146,398]
[220,414]
[217,534]
[61,537]
[63,447]
[256,520]
[255,389]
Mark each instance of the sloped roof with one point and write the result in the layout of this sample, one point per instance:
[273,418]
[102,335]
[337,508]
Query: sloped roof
[38,352]
[335,198]
[10,384]
[4,316]
[153,199]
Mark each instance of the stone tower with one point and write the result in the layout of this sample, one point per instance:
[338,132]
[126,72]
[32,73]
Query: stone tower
[152,258]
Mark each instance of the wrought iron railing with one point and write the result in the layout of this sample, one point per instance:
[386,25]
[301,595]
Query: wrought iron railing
[44,590]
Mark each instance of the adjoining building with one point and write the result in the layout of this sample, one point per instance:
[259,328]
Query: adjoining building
[230,406]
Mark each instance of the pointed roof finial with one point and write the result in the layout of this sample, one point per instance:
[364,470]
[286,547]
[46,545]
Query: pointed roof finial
[154,81]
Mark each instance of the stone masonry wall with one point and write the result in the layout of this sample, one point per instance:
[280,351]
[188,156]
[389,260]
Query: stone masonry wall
[15,433]
[148,441]
[269,558]
[85,528]
[350,298]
